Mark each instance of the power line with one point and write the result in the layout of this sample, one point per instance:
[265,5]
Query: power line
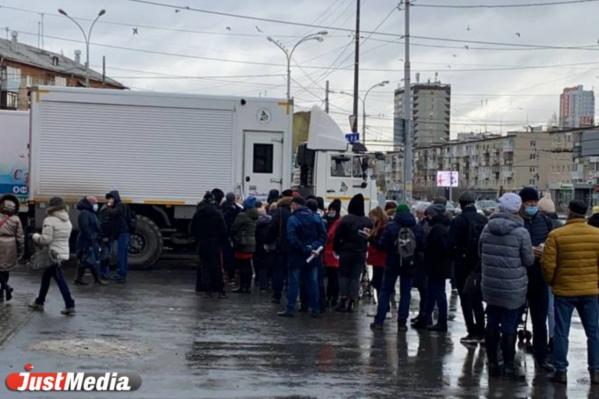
[512,5]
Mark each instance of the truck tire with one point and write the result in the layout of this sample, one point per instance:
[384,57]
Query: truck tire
[145,246]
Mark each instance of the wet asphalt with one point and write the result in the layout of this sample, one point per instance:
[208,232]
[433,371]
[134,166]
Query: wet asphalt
[186,346]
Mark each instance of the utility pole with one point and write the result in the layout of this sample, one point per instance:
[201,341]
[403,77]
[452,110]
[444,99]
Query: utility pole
[354,127]
[326,97]
[407,111]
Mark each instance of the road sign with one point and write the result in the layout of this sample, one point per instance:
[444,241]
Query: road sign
[352,137]
[352,122]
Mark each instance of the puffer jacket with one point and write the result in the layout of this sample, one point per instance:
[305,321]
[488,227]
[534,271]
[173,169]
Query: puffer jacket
[347,238]
[12,242]
[571,258]
[306,233]
[243,231]
[56,233]
[506,253]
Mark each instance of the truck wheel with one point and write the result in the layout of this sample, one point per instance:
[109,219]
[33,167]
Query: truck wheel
[145,246]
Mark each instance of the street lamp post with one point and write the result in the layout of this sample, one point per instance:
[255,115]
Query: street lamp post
[86,36]
[288,54]
[363,100]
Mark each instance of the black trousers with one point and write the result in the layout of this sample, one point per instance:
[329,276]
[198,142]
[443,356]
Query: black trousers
[377,278]
[538,304]
[472,306]
[279,273]
[245,273]
[4,281]
[332,284]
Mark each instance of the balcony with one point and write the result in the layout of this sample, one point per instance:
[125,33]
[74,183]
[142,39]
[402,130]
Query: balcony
[507,148]
[507,173]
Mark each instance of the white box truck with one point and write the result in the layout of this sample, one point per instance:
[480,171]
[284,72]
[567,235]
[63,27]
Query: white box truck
[161,151]
[14,153]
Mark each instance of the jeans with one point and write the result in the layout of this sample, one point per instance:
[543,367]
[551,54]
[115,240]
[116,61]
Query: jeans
[387,289]
[55,272]
[436,296]
[538,303]
[588,310]
[122,259]
[472,306]
[551,313]
[310,274]
[279,271]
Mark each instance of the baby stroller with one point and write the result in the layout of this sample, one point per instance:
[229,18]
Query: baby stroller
[524,335]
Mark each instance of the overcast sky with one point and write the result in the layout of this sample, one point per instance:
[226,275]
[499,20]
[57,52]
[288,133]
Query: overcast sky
[482,96]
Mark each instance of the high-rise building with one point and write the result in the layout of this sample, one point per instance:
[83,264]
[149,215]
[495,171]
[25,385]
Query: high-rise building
[431,108]
[576,107]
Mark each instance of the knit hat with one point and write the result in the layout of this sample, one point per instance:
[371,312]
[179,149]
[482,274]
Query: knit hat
[356,205]
[595,209]
[421,207]
[510,203]
[467,197]
[435,210]
[546,205]
[578,206]
[335,205]
[287,193]
[249,202]
[403,208]
[529,194]
[56,204]
[230,197]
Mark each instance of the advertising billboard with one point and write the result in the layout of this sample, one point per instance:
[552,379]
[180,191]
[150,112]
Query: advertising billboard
[447,178]
[14,160]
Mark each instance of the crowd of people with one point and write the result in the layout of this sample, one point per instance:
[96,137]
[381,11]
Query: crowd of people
[103,234]
[518,260]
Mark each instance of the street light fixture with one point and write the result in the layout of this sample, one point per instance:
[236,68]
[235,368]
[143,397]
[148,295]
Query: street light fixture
[318,36]
[363,100]
[86,36]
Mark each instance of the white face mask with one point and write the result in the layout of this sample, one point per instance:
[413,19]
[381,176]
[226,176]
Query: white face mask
[95,207]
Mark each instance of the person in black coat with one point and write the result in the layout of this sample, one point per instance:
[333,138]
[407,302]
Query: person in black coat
[88,240]
[120,224]
[351,244]
[209,229]
[437,262]
[464,234]
[230,210]
[277,238]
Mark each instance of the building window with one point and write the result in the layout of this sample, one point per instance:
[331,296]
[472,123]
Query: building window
[60,81]
[532,182]
[533,143]
[533,156]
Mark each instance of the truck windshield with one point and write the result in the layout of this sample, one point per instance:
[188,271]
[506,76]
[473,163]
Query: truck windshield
[341,166]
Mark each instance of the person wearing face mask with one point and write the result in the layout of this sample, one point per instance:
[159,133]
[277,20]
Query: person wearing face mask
[88,240]
[539,226]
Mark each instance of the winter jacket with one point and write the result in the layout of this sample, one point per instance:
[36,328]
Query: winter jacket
[571,258]
[305,233]
[115,219]
[230,211]
[262,226]
[329,258]
[12,241]
[538,227]
[506,253]
[437,252]
[376,256]
[465,254]
[89,227]
[388,241]
[277,232]
[55,234]
[208,227]
[243,231]
[347,238]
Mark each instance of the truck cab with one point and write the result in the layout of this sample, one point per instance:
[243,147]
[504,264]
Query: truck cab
[332,168]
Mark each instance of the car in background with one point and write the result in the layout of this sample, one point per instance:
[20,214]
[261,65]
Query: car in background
[486,206]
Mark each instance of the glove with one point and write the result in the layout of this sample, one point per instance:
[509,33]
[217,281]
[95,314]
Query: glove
[36,236]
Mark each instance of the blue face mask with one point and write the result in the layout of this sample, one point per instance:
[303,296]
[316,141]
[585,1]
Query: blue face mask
[531,210]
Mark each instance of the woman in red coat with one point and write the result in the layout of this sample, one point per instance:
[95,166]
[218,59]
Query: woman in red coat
[330,259]
[377,257]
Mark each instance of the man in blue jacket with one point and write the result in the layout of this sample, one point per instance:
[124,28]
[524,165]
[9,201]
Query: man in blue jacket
[538,227]
[305,235]
[398,265]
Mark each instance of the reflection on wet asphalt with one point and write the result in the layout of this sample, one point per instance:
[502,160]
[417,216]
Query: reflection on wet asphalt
[185,346]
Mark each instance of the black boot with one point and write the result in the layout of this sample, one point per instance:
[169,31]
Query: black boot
[97,278]
[492,343]
[79,278]
[350,306]
[513,371]
[8,292]
[342,306]
[2,294]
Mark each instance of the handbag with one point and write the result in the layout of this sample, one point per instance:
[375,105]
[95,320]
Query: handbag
[42,259]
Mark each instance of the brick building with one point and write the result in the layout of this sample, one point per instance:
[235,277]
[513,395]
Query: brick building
[23,66]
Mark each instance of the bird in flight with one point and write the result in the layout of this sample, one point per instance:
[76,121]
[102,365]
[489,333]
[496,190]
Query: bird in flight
[135,31]
[518,34]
